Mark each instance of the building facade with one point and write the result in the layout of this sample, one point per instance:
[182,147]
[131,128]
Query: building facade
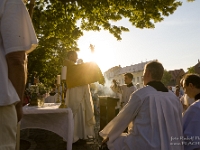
[197,67]
[118,72]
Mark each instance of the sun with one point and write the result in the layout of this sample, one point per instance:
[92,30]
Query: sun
[104,53]
[99,56]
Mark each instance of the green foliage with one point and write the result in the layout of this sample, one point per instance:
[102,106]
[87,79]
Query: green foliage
[60,23]
[191,70]
[166,78]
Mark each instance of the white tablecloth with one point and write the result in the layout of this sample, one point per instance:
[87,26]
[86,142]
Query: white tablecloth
[52,118]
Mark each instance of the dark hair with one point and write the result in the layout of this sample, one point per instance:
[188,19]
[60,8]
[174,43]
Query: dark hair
[192,78]
[177,87]
[156,69]
[129,75]
[70,53]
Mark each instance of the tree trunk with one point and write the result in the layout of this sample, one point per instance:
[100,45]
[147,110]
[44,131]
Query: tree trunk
[32,4]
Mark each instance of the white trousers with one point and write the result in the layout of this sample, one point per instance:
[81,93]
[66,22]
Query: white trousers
[8,127]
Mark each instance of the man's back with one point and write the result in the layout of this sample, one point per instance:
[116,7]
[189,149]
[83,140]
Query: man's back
[158,124]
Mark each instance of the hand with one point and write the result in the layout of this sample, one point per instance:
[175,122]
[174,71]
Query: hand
[115,82]
[105,140]
[19,111]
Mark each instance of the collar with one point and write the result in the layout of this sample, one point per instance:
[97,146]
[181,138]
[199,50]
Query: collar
[197,97]
[129,85]
[158,85]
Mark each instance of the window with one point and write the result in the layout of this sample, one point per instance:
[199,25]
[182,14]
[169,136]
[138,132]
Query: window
[142,78]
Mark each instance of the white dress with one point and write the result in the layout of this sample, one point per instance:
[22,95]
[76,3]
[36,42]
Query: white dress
[153,118]
[80,101]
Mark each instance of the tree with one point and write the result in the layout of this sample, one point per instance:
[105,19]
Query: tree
[60,23]
[98,14]
[166,78]
[191,70]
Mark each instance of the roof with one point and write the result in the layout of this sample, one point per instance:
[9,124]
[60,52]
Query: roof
[176,73]
[133,68]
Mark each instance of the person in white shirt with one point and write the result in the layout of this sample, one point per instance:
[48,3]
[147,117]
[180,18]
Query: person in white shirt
[17,39]
[125,90]
[153,116]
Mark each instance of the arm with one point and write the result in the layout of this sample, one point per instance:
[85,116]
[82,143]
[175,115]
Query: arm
[116,87]
[116,127]
[17,70]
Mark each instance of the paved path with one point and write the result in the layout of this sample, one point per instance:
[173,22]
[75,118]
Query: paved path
[38,139]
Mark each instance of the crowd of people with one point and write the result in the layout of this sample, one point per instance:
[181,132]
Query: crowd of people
[155,116]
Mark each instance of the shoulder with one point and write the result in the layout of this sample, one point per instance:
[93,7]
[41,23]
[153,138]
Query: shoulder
[133,88]
[150,92]
[143,92]
[192,110]
[195,106]
[191,116]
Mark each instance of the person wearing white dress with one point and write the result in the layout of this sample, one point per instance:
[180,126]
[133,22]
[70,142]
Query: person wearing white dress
[79,99]
[153,116]
[125,90]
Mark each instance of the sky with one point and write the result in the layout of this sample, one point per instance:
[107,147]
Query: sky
[175,42]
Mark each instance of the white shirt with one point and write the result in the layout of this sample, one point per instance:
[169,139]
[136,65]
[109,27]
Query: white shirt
[153,118]
[16,34]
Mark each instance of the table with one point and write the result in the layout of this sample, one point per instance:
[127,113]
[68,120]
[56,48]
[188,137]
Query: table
[50,117]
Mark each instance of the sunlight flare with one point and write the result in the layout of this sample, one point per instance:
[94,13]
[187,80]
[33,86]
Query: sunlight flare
[98,55]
